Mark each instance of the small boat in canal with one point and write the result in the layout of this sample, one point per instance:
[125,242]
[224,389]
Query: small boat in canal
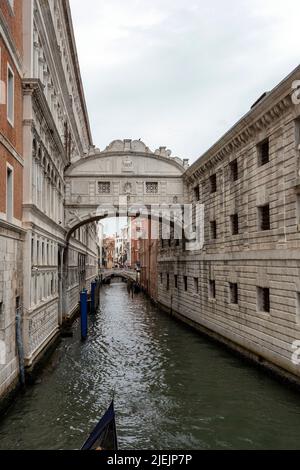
[104,435]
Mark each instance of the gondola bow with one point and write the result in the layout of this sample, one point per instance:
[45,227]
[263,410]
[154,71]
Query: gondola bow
[104,436]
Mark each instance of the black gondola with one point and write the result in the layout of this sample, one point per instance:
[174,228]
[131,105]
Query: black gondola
[104,436]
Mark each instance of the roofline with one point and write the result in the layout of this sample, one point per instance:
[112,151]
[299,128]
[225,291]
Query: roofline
[254,113]
[121,153]
[70,28]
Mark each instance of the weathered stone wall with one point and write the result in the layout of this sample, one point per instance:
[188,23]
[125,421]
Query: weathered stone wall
[11,158]
[10,289]
[252,259]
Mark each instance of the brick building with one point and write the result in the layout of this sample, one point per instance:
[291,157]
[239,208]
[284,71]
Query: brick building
[11,182]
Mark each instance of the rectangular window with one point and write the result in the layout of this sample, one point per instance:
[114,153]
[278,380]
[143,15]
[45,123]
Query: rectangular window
[213,230]
[176,281]
[151,188]
[213,184]
[297,132]
[185,280]
[264,217]
[104,187]
[10,95]
[197,193]
[168,281]
[196,285]
[298,308]
[298,211]
[234,224]
[234,295]
[161,278]
[263,299]
[234,170]
[263,150]
[212,289]
[9,193]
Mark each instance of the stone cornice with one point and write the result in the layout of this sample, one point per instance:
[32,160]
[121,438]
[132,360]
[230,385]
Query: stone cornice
[70,29]
[53,52]
[10,44]
[11,227]
[11,149]
[34,87]
[36,211]
[264,113]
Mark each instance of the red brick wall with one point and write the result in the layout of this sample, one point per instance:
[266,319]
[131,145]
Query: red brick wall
[13,133]
[5,157]
[14,21]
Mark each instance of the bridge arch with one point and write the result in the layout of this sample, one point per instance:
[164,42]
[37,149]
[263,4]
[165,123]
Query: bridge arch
[126,173]
[109,183]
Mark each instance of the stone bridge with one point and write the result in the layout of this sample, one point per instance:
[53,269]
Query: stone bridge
[126,174]
[123,273]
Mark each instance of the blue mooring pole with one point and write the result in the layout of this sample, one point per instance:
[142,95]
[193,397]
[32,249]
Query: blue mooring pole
[84,314]
[93,292]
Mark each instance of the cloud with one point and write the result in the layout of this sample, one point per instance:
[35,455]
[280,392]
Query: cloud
[180,73]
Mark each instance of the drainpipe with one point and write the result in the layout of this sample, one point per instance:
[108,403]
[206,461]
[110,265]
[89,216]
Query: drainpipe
[20,347]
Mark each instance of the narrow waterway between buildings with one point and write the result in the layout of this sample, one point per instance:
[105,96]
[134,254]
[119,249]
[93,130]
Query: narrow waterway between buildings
[174,389]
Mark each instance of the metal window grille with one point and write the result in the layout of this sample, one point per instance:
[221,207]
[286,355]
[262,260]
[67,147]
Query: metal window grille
[234,295]
[213,230]
[212,289]
[264,152]
[152,188]
[264,299]
[213,183]
[104,187]
[234,170]
[264,216]
[235,224]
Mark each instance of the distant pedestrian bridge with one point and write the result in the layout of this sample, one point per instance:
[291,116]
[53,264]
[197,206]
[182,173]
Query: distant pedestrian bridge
[126,274]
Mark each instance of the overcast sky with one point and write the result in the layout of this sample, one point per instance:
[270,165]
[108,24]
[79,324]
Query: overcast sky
[179,73]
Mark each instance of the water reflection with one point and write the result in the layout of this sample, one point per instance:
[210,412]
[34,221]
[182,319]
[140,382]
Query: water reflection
[173,389]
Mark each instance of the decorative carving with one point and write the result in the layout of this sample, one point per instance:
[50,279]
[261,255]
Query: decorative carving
[127,188]
[127,165]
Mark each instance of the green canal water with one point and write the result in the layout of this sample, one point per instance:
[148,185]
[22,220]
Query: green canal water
[174,389]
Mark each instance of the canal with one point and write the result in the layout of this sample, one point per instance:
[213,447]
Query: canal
[174,389]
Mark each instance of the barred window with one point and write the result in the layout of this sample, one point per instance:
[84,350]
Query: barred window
[234,293]
[264,222]
[197,193]
[152,188]
[213,230]
[263,152]
[234,224]
[234,170]
[212,289]
[263,299]
[213,183]
[104,187]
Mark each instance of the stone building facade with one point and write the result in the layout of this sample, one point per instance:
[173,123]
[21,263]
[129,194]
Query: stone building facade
[11,180]
[148,255]
[56,133]
[243,287]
